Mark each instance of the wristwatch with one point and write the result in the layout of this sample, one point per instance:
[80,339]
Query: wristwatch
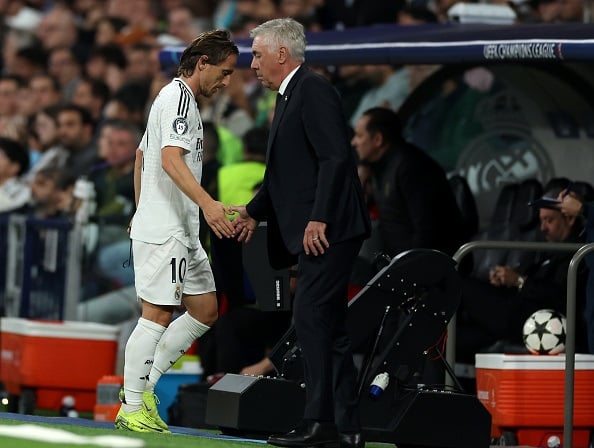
[520,283]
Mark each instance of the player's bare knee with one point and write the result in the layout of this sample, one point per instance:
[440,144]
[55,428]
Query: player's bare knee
[211,318]
[207,317]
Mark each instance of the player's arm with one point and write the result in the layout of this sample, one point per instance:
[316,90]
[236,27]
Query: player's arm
[214,211]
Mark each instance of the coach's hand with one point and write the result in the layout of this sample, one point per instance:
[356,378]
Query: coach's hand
[244,224]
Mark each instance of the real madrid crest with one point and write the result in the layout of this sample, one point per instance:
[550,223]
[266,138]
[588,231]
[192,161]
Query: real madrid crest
[180,125]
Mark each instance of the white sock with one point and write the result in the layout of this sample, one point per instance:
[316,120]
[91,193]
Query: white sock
[139,355]
[178,337]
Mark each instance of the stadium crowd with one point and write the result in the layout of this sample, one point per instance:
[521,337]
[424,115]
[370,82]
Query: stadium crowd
[78,78]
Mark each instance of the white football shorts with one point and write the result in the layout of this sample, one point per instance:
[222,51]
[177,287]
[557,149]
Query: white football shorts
[164,272]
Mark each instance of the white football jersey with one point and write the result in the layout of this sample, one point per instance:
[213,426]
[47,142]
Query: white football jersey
[164,211]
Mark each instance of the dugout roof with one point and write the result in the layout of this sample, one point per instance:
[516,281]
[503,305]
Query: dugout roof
[437,44]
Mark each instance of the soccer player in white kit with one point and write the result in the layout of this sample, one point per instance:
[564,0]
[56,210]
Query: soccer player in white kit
[171,267]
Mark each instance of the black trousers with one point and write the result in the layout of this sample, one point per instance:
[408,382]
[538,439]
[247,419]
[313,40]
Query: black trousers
[319,314]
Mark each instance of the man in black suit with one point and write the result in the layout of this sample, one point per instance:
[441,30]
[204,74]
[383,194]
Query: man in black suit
[313,202]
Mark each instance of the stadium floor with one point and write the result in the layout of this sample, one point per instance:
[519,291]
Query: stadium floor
[32,419]
[109,425]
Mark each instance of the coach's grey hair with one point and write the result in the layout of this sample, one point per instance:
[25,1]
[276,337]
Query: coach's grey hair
[283,32]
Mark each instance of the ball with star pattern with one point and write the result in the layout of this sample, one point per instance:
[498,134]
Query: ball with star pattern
[544,332]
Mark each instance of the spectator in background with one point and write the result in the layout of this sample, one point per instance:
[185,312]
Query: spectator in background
[12,123]
[409,188]
[114,178]
[411,16]
[352,83]
[114,185]
[75,134]
[92,94]
[58,29]
[229,108]
[128,103]
[303,11]
[182,25]
[19,15]
[29,61]
[14,162]
[142,15]
[44,148]
[107,30]
[391,85]
[87,14]
[159,77]
[230,147]
[139,66]
[107,63]
[51,193]
[44,90]
[238,181]
[65,67]
[12,42]
[227,12]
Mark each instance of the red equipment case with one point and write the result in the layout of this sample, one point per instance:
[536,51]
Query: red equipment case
[43,361]
[525,395]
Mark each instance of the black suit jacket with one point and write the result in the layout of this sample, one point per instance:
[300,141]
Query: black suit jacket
[311,171]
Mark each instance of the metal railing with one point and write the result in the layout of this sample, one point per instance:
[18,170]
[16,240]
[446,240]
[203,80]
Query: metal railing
[580,251]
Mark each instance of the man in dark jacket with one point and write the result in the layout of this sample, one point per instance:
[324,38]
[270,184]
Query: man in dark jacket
[415,203]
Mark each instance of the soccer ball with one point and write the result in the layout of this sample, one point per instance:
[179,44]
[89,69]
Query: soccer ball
[544,332]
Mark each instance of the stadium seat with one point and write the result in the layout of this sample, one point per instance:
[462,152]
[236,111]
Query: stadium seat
[525,219]
[500,228]
[467,205]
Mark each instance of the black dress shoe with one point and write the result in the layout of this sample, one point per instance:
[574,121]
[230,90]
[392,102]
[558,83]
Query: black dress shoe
[351,440]
[308,434]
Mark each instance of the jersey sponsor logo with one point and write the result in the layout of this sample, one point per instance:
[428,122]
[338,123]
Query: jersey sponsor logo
[180,125]
[180,138]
